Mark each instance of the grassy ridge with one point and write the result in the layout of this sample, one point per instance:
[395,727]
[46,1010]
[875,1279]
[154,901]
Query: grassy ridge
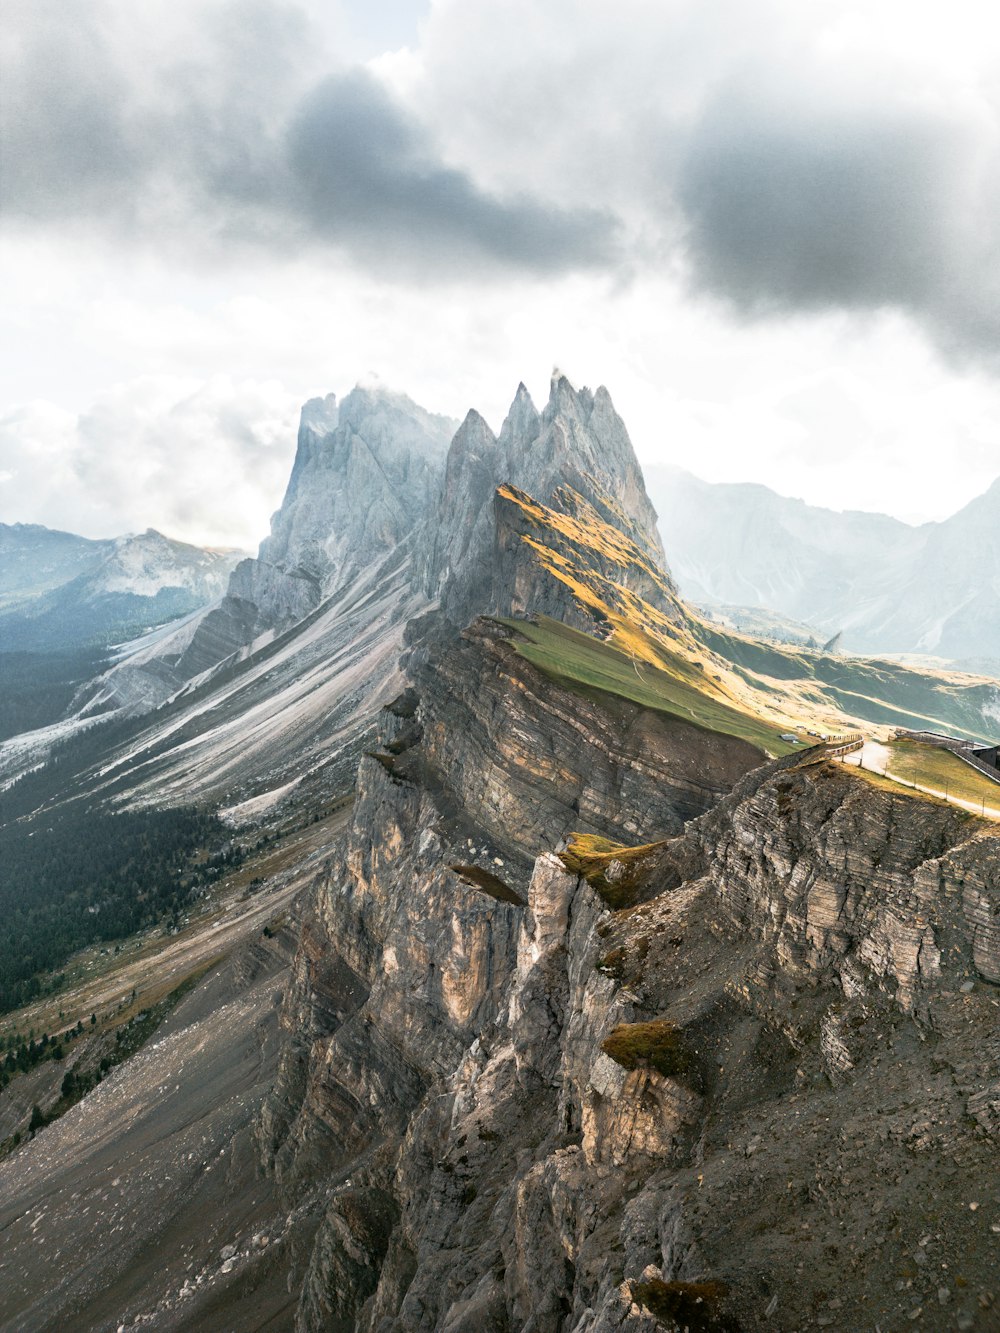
[671,659]
[578,660]
[884,693]
[914,761]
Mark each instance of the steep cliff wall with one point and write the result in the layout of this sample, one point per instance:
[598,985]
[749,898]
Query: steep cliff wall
[366,474]
[767,1094]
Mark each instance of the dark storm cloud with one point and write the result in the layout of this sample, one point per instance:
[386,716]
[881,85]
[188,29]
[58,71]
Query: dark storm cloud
[790,206]
[368,174]
[811,212]
[219,143]
[209,126]
[63,145]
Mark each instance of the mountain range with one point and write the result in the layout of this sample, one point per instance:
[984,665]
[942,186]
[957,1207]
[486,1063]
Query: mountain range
[60,591]
[480,939]
[275,685]
[887,586]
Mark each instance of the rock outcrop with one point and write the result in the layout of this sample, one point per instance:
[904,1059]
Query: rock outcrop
[762,1095]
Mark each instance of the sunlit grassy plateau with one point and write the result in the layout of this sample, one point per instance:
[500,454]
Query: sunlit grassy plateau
[578,660]
[929,766]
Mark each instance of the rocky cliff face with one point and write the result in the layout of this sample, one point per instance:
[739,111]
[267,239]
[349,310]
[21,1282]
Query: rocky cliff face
[765,1094]
[366,473]
[364,477]
[566,560]
[595,1024]
[576,452]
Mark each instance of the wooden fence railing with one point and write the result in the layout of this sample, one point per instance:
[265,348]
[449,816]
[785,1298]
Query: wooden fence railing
[835,746]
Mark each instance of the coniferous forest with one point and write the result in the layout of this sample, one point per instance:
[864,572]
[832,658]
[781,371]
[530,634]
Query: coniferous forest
[72,877]
[37,688]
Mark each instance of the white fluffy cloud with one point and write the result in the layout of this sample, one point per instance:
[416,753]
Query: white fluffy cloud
[200,461]
[796,406]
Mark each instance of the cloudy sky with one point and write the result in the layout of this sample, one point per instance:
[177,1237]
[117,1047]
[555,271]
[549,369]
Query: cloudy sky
[771,228]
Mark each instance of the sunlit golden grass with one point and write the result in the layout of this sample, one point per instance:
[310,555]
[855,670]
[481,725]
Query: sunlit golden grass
[593,857]
[655,1045]
[672,659]
[579,660]
[930,766]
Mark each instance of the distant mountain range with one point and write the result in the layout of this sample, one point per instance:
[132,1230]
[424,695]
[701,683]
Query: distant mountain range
[888,586]
[61,591]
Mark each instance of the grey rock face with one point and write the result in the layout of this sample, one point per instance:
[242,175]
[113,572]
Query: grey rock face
[881,895]
[534,761]
[578,443]
[523,580]
[488,1164]
[365,475]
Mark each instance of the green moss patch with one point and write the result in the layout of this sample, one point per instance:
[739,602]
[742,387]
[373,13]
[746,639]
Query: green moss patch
[614,870]
[613,964]
[696,1306]
[655,1045]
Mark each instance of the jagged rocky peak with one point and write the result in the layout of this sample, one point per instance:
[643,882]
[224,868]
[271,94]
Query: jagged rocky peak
[381,488]
[366,472]
[578,440]
[576,457]
[461,533]
[523,421]
[320,414]
[318,419]
[474,466]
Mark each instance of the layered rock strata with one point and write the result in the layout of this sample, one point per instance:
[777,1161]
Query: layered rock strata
[764,1095]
